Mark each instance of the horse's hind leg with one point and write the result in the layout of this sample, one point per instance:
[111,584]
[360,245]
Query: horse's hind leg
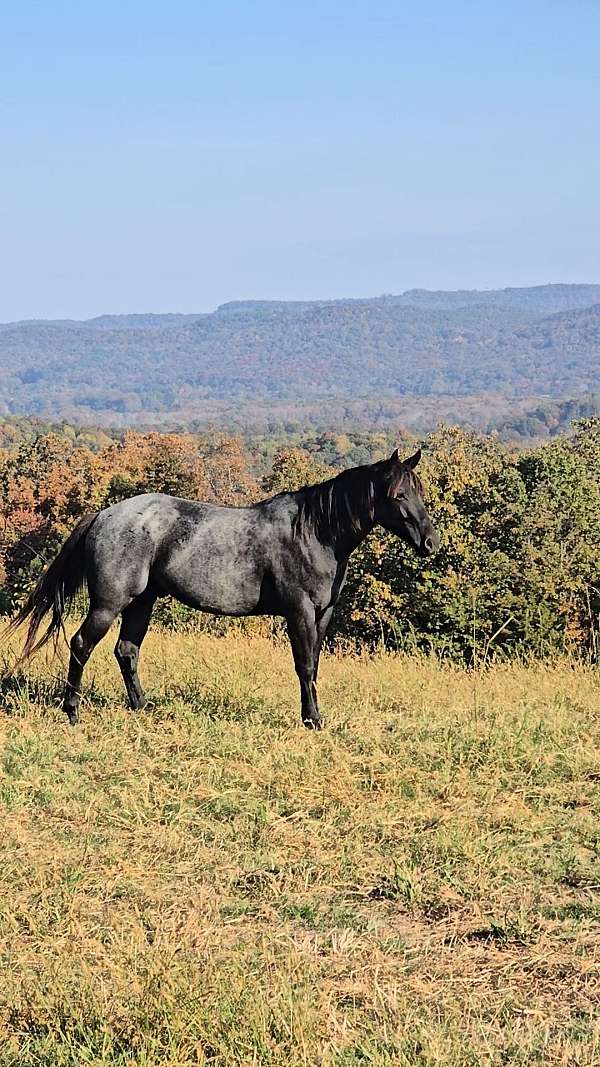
[96,624]
[136,619]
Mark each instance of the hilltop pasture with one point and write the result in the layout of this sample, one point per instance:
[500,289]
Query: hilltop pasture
[206,882]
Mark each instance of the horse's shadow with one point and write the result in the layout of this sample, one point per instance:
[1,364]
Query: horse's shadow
[19,691]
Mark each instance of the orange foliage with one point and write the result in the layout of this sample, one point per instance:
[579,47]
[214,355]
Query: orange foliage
[48,484]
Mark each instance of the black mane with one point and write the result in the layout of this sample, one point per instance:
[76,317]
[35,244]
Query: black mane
[344,506]
[340,506]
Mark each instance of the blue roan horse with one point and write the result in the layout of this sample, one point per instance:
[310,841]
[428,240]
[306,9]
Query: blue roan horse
[285,556]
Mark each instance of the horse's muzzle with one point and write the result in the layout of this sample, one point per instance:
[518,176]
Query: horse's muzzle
[429,544]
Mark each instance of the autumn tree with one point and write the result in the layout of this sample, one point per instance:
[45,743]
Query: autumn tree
[229,478]
[155,463]
[292,469]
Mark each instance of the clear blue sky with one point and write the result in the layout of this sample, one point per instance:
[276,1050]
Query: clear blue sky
[170,156]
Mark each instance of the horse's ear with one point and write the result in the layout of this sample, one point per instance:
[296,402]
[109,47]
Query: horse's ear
[412,461]
[395,456]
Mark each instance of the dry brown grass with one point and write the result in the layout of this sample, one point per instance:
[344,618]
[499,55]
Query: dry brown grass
[207,882]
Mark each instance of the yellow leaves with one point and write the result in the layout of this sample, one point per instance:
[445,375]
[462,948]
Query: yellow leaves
[378,589]
[452,580]
[378,546]
[293,468]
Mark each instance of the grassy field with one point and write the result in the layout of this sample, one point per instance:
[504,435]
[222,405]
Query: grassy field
[208,882]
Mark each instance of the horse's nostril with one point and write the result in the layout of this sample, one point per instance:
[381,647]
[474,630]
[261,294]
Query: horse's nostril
[429,545]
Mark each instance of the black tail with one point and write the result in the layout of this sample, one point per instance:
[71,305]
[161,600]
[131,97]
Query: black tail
[57,586]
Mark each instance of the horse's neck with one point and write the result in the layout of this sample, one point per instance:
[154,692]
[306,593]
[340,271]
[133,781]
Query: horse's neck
[346,542]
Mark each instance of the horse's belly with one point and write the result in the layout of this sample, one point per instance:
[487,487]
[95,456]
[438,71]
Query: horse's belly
[220,589]
[221,600]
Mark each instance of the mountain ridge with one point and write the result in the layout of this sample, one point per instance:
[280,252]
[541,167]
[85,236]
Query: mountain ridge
[573,294]
[247,355]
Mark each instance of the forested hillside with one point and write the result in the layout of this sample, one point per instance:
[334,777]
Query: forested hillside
[426,354]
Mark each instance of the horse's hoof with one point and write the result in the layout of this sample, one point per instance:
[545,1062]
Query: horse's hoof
[72,717]
[313,724]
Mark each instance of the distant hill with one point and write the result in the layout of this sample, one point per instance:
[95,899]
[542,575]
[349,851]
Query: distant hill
[139,322]
[541,299]
[253,361]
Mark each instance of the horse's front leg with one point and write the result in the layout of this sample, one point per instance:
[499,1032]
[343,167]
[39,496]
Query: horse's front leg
[322,625]
[302,630]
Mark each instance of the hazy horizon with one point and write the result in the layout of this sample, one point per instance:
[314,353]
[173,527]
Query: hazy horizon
[181,158]
[141,312]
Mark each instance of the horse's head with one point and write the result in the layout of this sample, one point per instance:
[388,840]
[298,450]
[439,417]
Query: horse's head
[399,503]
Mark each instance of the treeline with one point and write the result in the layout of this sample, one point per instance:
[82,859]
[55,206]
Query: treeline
[519,566]
[357,436]
[547,418]
[347,441]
